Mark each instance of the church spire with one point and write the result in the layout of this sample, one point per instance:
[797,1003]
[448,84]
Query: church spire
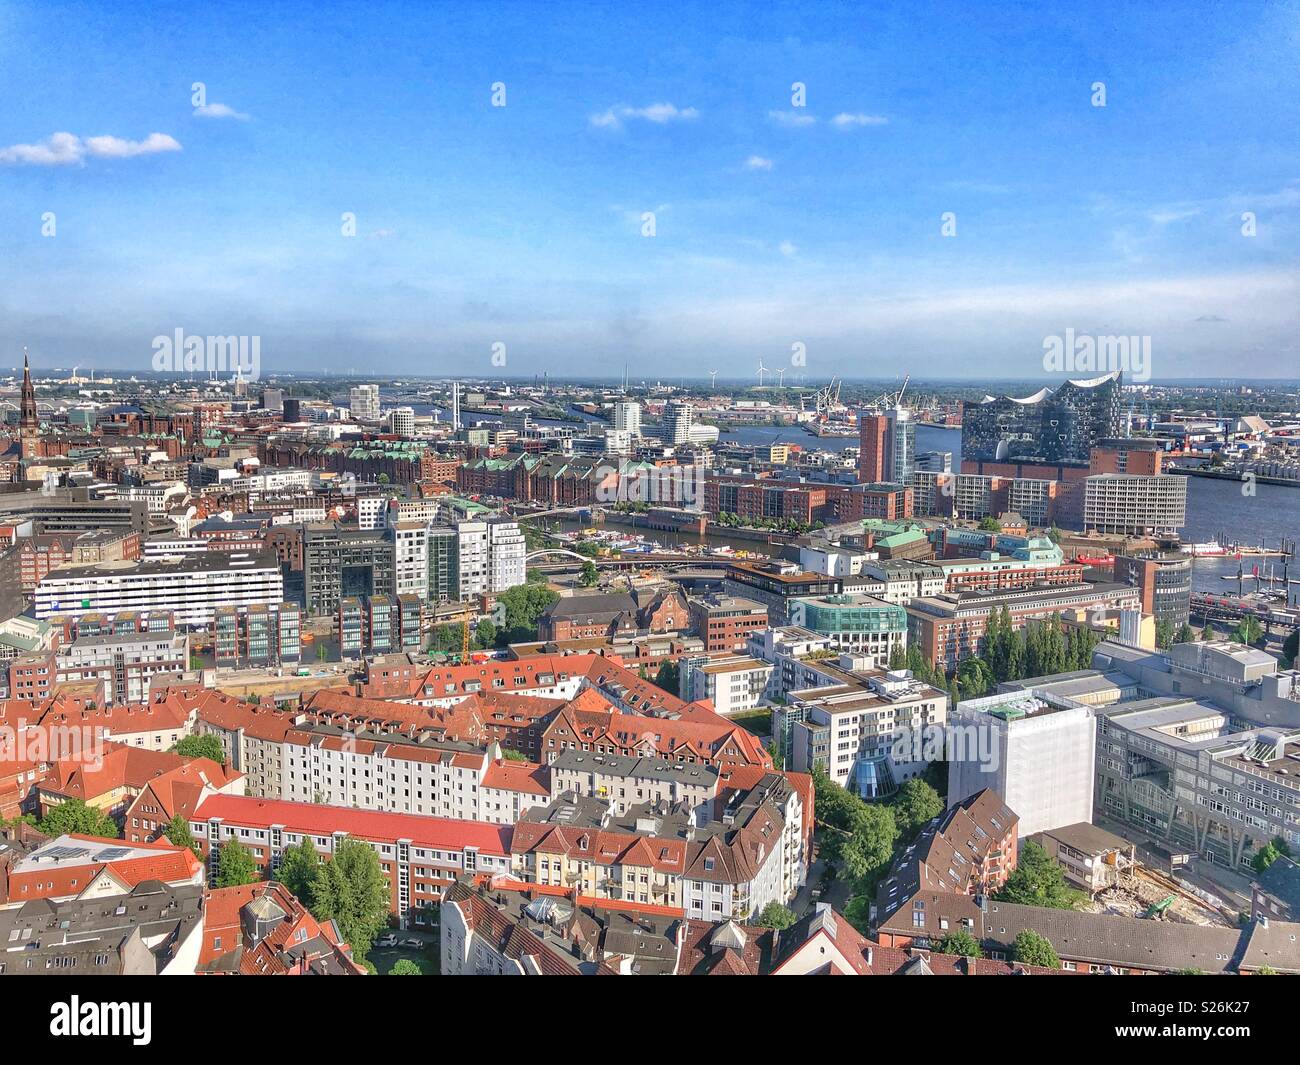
[27,417]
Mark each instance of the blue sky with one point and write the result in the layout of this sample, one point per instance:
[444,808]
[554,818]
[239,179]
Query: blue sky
[774,225]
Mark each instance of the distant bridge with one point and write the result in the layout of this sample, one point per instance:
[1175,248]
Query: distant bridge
[556,551]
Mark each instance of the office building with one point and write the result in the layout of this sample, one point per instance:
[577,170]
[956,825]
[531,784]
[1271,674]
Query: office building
[1135,505]
[363,403]
[191,586]
[340,562]
[1164,580]
[627,417]
[887,446]
[860,623]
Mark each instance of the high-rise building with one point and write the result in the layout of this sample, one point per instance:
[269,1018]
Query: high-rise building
[363,403]
[679,416]
[401,421]
[627,417]
[887,444]
[1051,427]
[1164,579]
[339,562]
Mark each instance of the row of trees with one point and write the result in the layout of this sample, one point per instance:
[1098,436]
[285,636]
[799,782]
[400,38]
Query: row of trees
[1037,649]
[787,525]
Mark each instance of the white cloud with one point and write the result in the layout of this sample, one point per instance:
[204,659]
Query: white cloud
[59,149]
[791,119]
[659,114]
[844,120]
[787,249]
[219,111]
[117,148]
[67,149]
[758,162]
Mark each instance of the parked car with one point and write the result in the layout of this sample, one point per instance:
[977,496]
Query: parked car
[413,943]
[388,940]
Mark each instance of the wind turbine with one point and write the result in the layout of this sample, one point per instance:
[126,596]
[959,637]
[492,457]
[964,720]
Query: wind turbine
[761,371]
[713,378]
[780,377]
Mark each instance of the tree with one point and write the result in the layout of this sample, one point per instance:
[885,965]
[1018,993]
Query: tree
[1033,949]
[1185,634]
[960,941]
[201,747]
[1291,649]
[511,755]
[1038,881]
[485,635]
[668,677]
[523,608]
[75,816]
[988,524]
[776,916]
[350,889]
[915,804]
[1248,631]
[297,870]
[1264,857]
[974,677]
[179,835]
[590,576]
[1208,633]
[405,967]
[236,865]
[870,844]
[1164,633]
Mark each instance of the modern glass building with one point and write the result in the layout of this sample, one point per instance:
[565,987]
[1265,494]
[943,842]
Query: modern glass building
[1050,427]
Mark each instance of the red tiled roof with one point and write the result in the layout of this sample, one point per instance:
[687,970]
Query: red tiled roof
[374,825]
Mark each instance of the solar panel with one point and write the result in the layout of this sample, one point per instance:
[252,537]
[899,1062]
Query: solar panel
[112,854]
[59,854]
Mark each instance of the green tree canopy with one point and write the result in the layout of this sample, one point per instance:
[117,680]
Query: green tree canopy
[1033,949]
[201,747]
[776,916]
[915,804]
[179,835]
[870,843]
[236,865]
[405,967]
[523,607]
[960,941]
[668,676]
[1038,881]
[350,889]
[297,870]
[75,816]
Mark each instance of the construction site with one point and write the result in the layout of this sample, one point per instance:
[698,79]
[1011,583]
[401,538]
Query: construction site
[1139,891]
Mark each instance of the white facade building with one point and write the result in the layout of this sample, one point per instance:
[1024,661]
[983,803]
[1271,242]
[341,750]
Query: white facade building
[1034,749]
[192,586]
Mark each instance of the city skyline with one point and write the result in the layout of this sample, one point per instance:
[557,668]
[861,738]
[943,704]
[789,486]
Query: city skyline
[779,231]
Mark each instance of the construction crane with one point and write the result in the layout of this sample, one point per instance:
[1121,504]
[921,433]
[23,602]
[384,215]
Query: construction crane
[464,640]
